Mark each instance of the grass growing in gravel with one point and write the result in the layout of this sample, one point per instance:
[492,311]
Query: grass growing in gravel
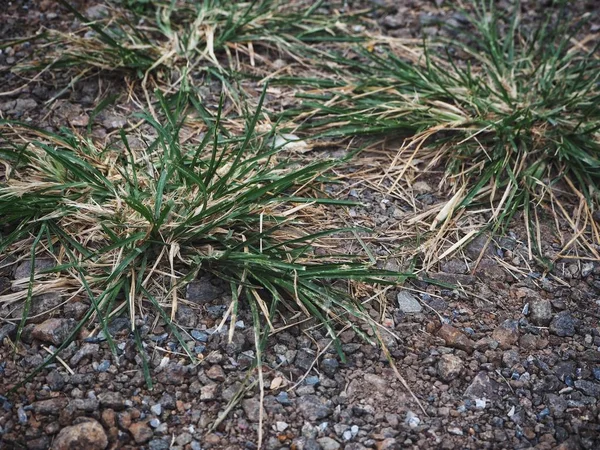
[512,114]
[131,223]
[169,41]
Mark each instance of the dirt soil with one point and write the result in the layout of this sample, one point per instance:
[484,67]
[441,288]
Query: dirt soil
[510,360]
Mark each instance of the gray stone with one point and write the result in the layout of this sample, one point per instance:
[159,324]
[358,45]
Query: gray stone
[202,291]
[6,330]
[159,444]
[119,326]
[304,359]
[477,246]
[328,443]
[393,22]
[23,270]
[589,388]
[454,266]
[412,420]
[24,104]
[563,324]
[313,408]
[5,285]
[587,269]
[75,310]
[96,12]
[113,400]
[330,366]
[6,265]
[103,366]
[55,380]
[375,382]
[304,443]
[556,404]
[283,398]
[510,358]
[482,387]
[407,303]
[199,335]
[186,316]
[540,312]
[22,416]
[85,404]
[50,406]
[85,350]
[488,270]
[44,303]
[251,407]
[8,106]
[167,401]
[114,122]
[156,409]
[183,439]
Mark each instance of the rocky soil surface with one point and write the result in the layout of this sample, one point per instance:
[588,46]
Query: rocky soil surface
[510,360]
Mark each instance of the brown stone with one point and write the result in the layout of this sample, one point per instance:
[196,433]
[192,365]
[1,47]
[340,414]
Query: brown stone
[507,334]
[455,338]
[87,435]
[109,418]
[449,367]
[216,373]
[141,432]
[54,331]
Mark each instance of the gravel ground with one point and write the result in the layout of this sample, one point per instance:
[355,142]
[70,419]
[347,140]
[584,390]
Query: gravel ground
[510,361]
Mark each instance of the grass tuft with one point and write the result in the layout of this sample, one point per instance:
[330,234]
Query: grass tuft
[130,224]
[173,41]
[511,113]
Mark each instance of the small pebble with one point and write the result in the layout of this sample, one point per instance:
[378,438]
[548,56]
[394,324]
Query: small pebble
[160,338]
[199,335]
[283,398]
[156,409]
[412,420]
[103,366]
[312,380]
[22,415]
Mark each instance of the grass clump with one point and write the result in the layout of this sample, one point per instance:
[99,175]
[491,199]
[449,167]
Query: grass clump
[513,114]
[169,41]
[130,224]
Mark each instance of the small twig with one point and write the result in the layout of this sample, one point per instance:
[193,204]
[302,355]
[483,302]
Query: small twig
[60,360]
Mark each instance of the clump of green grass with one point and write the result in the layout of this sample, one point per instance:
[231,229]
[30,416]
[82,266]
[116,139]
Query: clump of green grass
[183,39]
[511,113]
[130,224]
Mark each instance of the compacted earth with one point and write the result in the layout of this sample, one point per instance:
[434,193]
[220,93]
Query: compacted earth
[508,358]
